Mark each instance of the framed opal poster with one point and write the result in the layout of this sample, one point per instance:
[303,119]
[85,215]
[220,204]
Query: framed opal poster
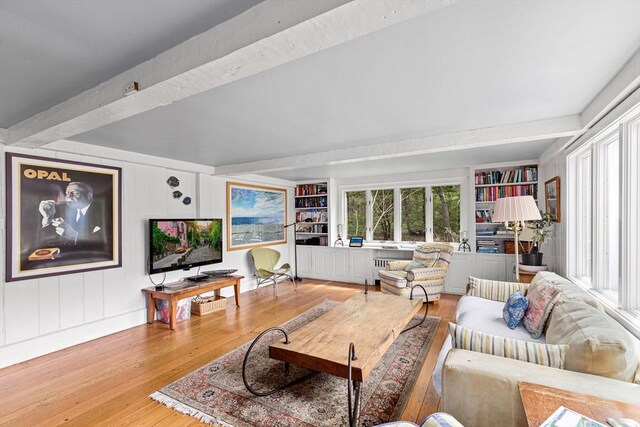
[62,217]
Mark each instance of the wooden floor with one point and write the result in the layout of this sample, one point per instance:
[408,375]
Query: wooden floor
[107,381]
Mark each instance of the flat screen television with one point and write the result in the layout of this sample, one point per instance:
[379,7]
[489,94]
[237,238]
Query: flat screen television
[180,244]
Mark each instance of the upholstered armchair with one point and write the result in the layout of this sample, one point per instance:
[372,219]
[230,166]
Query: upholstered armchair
[428,268]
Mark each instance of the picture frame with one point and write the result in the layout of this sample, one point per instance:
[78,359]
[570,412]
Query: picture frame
[63,217]
[552,199]
[256,216]
[356,241]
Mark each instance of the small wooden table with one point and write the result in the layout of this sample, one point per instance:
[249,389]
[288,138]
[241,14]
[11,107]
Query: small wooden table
[173,292]
[541,401]
[526,276]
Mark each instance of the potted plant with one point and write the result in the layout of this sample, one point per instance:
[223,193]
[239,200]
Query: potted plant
[541,233]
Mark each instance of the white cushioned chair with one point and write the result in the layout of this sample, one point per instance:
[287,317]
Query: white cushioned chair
[428,268]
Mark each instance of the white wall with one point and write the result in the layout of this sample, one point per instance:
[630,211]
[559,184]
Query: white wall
[555,252]
[40,316]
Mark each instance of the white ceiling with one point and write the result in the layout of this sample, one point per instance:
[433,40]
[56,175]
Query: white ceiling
[51,50]
[468,66]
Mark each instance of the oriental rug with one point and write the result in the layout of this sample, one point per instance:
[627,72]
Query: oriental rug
[216,394]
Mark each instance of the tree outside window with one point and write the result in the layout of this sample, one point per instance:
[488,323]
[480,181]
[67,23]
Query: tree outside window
[413,214]
[382,214]
[356,213]
[446,213]
[427,208]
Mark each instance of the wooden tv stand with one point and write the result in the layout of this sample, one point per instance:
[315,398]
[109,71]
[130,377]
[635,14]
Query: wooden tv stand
[173,292]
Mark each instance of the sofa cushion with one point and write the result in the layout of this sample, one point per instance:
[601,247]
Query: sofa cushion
[542,298]
[569,289]
[515,309]
[485,316]
[541,354]
[489,320]
[469,304]
[597,343]
[494,289]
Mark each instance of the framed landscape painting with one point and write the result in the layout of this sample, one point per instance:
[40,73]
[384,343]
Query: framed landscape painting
[552,197]
[256,216]
[62,217]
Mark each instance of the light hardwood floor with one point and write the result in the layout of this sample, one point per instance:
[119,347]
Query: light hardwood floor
[106,382]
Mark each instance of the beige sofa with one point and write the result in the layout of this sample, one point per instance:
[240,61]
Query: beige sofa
[481,389]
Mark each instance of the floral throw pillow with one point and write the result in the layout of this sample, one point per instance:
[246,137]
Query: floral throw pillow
[541,301]
[515,309]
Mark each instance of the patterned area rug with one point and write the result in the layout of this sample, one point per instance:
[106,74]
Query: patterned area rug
[216,394]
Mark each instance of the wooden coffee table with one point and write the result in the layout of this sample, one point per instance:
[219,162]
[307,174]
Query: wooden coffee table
[348,341]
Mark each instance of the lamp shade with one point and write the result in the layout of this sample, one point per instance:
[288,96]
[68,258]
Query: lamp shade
[518,208]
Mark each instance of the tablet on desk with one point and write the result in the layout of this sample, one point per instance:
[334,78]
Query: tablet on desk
[356,241]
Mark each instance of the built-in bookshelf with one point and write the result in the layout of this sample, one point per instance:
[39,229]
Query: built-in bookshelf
[312,213]
[492,184]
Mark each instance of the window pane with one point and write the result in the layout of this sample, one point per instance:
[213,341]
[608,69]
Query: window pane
[382,214]
[583,237]
[413,219]
[446,213]
[612,232]
[356,213]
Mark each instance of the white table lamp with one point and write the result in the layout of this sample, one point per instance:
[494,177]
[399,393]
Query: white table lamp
[513,211]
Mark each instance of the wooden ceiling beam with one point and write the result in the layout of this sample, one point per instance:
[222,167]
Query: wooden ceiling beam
[532,131]
[268,35]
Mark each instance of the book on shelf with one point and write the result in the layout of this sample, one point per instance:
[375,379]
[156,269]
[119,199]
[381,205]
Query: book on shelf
[311,228]
[311,189]
[311,216]
[488,250]
[491,194]
[504,232]
[312,202]
[521,174]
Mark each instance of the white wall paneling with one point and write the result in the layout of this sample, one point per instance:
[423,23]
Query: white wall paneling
[341,264]
[44,315]
[303,261]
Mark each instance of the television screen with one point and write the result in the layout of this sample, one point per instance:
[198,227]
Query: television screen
[179,244]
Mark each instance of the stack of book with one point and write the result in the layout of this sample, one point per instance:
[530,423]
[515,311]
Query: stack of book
[487,246]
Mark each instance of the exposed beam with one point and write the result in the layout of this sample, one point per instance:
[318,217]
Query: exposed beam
[531,131]
[266,36]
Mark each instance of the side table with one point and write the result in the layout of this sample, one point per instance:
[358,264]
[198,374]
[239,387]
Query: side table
[540,402]
[172,292]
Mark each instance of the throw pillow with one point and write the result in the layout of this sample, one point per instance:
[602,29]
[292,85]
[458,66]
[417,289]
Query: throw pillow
[541,301]
[412,265]
[515,309]
[493,289]
[541,354]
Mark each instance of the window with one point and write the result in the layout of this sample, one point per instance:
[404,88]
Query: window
[412,204]
[382,214]
[356,213]
[603,198]
[446,213]
[405,214]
